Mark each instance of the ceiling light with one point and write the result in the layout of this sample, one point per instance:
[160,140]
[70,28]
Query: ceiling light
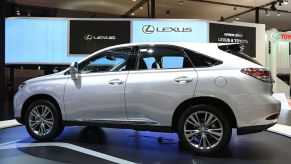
[278,13]
[133,0]
[267,13]
[132,14]
[234,8]
[237,18]
[285,2]
[141,7]
[181,2]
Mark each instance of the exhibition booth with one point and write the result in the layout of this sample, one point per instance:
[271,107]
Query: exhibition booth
[40,46]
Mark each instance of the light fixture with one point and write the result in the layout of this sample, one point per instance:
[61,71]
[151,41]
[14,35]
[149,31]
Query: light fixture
[278,13]
[268,13]
[132,14]
[18,12]
[285,2]
[234,8]
[181,2]
[38,68]
[273,7]
[168,12]
[141,7]
[221,18]
[237,18]
[28,13]
[133,0]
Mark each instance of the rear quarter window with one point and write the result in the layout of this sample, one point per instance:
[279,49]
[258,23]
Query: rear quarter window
[200,60]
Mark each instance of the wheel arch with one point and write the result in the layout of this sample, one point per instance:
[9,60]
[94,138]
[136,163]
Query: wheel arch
[39,97]
[221,105]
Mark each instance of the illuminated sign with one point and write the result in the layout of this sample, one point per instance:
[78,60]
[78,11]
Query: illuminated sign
[169,31]
[222,33]
[88,36]
[280,36]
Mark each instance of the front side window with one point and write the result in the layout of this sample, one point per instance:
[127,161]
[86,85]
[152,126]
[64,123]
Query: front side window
[162,57]
[108,61]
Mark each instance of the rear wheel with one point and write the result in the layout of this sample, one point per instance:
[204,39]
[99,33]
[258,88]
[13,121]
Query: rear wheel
[204,130]
[43,121]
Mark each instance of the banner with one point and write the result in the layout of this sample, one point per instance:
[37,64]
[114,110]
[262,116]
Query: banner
[222,33]
[88,36]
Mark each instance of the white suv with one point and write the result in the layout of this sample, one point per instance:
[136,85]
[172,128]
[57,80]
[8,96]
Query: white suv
[200,91]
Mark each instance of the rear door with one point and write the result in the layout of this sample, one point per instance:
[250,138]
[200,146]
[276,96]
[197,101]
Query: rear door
[163,78]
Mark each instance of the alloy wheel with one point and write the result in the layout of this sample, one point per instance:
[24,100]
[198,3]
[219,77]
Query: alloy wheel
[203,130]
[41,120]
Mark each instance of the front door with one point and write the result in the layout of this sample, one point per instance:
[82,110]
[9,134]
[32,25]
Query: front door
[98,93]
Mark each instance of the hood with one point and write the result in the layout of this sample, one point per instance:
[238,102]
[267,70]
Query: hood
[54,76]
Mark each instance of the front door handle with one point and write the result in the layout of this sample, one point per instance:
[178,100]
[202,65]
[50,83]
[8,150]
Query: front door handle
[183,79]
[115,82]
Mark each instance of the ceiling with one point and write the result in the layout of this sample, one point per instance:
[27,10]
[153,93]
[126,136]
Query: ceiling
[188,10]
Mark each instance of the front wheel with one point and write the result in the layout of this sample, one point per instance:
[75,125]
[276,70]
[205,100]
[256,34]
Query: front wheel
[43,121]
[204,130]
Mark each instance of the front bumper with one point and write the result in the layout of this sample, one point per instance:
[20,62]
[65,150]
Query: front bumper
[253,129]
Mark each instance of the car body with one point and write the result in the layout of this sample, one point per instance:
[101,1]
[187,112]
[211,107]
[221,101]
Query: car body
[151,86]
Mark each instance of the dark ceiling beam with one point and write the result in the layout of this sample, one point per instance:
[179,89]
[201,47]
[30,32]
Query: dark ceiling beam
[137,6]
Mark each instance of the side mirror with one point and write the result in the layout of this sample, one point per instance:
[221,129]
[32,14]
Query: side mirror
[74,70]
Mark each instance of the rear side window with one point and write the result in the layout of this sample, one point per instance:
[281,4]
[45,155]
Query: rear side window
[200,60]
[162,57]
[237,50]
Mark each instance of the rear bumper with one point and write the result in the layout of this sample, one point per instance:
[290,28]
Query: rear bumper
[253,129]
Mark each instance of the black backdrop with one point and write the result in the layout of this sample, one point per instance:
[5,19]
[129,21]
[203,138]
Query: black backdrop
[221,33]
[88,36]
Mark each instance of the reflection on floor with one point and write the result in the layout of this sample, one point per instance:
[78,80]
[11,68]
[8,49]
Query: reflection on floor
[140,147]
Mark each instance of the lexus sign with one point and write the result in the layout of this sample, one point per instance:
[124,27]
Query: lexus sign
[86,37]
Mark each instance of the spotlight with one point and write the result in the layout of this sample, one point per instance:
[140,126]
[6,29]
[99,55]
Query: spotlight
[285,2]
[237,18]
[18,12]
[234,8]
[267,13]
[132,14]
[278,13]
[141,7]
[273,7]
[181,2]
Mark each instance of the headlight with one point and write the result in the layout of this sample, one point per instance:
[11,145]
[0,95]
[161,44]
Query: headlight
[21,85]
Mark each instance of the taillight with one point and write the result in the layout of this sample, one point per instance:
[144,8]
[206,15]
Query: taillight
[258,73]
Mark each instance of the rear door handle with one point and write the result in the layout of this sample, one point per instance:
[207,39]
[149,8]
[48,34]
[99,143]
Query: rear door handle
[115,82]
[183,79]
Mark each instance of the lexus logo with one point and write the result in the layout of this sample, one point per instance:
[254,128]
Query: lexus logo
[149,29]
[89,37]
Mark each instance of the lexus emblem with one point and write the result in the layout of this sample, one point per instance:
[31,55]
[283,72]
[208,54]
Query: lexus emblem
[88,37]
[148,29]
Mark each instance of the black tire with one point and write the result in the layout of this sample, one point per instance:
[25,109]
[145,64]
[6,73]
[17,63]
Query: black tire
[57,126]
[226,132]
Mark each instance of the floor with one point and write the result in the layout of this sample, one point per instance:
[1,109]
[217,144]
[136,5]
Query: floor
[92,144]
